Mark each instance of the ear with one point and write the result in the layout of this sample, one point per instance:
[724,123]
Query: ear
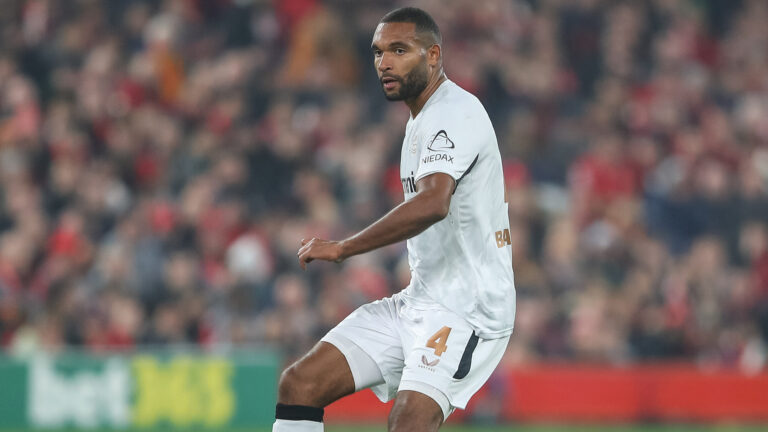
[434,55]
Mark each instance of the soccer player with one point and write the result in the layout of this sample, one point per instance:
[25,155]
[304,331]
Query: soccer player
[434,344]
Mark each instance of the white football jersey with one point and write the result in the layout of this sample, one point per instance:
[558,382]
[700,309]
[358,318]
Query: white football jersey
[463,262]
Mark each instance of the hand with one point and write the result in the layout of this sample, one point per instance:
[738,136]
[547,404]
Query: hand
[316,248]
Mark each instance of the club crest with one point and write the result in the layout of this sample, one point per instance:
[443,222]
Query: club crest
[414,144]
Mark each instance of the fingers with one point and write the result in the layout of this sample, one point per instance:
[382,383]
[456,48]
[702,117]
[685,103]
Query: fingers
[304,258]
[316,248]
[305,245]
[303,253]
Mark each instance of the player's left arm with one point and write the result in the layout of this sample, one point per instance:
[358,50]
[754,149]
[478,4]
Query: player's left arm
[430,204]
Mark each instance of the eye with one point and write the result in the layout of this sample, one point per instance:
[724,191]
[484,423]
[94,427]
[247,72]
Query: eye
[377,53]
[400,51]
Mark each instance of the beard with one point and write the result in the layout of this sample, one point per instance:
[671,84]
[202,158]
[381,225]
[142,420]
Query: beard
[411,85]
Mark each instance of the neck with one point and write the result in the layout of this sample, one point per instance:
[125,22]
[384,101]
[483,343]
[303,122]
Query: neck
[417,103]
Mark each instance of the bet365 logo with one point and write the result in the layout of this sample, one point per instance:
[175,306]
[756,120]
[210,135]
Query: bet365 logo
[502,238]
[185,391]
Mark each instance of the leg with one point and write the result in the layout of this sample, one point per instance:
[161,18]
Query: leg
[317,379]
[414,412]
[307,386]
[337,367]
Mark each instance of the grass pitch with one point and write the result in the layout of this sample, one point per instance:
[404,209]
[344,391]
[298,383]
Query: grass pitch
[566,428]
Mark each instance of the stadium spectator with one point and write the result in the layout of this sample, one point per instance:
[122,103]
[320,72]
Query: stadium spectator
[161,160]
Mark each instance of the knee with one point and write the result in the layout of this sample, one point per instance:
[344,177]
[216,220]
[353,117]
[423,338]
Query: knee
[298,388]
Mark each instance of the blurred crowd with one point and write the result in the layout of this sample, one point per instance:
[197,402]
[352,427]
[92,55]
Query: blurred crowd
[161,160]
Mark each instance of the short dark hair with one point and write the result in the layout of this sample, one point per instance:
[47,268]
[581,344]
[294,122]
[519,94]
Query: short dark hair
[424,22]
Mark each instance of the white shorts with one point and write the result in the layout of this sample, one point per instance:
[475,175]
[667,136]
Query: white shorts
[427,349]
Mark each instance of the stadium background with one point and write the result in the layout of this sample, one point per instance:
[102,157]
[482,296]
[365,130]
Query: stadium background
[160,161]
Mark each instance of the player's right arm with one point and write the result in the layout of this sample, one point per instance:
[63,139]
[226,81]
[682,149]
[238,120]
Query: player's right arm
[430,205]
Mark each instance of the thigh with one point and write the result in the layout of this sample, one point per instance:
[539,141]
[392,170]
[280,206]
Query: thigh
[319,378]
[369,338]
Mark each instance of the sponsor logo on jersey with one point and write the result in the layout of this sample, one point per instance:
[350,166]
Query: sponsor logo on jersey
[409,184]
[440,142]
[429,363]
[436,158]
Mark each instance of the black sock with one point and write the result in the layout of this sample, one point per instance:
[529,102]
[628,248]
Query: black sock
[298,412]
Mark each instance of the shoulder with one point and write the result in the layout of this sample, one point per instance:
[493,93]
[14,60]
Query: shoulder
[455,108]
[457,95]
[454,102]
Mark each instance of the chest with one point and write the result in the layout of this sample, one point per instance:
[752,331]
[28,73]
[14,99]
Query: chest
[409,159]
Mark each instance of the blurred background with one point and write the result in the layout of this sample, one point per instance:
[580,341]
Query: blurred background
[160,161]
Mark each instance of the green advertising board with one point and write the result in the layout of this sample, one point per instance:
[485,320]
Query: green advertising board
[144,390]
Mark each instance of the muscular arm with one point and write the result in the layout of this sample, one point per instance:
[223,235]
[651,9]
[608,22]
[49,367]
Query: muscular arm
[429,205]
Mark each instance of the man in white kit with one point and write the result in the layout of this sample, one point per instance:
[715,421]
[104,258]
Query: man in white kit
[434,344]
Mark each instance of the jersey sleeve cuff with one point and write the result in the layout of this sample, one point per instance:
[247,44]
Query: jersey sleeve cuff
[434,171]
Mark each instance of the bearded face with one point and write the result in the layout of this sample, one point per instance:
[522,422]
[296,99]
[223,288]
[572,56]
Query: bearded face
[400,58]
[397,88]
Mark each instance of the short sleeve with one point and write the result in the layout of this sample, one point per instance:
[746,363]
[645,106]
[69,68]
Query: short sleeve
[447,148]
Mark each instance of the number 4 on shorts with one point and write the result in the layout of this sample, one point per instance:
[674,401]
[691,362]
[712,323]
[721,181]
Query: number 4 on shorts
[438,341]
